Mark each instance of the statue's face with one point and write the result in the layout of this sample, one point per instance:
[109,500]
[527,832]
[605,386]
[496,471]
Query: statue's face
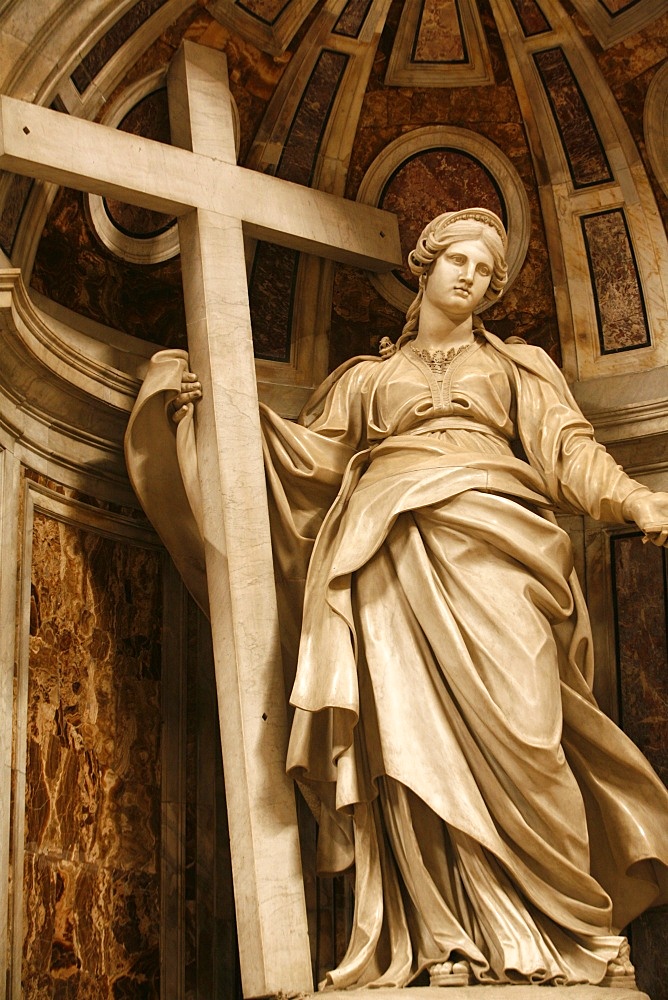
[459,278]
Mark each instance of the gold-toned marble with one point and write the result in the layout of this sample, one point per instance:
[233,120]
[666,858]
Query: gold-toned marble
[439,650]
[92,830]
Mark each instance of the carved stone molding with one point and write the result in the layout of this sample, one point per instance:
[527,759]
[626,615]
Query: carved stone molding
[64,405]
[612,28]
[153,248]
[629,414]
[271,36]
[655,125]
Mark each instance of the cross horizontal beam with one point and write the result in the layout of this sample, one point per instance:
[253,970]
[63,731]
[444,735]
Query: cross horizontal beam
[53,146]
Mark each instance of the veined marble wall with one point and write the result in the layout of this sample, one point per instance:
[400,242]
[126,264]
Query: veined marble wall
[92,822]
[117,850]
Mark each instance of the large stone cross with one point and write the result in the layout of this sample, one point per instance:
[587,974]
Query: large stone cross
[213,198]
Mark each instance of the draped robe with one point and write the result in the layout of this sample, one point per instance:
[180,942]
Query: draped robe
[439,654]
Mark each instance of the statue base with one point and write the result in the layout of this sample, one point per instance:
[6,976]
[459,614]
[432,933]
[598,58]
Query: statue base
[479,992]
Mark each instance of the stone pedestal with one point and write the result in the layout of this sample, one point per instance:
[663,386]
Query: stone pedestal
[487,993]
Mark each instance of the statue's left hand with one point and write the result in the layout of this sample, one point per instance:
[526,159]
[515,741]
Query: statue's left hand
[191,391]
[650,512]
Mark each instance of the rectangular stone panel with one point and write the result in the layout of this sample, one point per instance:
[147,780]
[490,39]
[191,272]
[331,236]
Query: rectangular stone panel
[620,306]
[17,195]
[271,295]
[439,37]
[614,7]
[352,18]
[274,271]
[99,55]
[531,17]
[582,144]
[640,574]
[640,583]
[302,143]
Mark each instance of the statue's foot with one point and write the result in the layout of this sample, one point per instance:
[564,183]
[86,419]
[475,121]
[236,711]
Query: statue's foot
[456,973]
[620,971]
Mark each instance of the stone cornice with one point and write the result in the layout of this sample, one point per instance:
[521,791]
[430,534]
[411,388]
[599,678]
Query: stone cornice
[63,410]
[629,414]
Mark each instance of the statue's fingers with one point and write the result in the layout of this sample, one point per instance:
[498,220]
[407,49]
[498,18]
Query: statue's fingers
[180,413]
[191,389]
[659,537]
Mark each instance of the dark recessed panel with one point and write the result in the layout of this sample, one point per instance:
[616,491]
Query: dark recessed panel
[582,144]
[620,305]
[531,17]
[99,55]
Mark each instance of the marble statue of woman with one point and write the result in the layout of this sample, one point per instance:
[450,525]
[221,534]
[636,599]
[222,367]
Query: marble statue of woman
[502,829]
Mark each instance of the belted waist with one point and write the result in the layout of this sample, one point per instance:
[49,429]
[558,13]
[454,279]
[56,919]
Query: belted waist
[451,423]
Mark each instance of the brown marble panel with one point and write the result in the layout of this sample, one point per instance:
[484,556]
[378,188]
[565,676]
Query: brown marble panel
[266,11]
[620,306]
[649,951]
[271,292]
[584,151]
[17,195]
[641,605]
[298,158]
[641,600]
[352,18]
[439,35]
[629,68]
[531,17]
[102,51]
[92,835]
[274,270]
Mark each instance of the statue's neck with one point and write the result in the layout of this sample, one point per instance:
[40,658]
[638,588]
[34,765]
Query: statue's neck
[436,331]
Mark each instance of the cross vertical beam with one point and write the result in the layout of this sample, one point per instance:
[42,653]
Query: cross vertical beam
[213,196]
[266,864]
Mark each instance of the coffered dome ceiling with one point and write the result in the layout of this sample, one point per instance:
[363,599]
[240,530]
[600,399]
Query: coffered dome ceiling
[550,112]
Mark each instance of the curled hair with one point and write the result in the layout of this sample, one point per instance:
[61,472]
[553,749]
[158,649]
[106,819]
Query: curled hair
[442,232]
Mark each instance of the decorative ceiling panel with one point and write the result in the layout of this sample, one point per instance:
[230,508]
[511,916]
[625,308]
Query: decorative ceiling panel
[269,24]
[439,43]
